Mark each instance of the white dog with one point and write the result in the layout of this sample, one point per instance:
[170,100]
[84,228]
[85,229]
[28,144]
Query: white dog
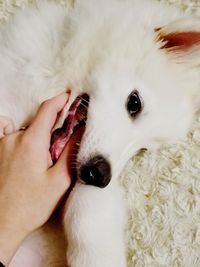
[137,63]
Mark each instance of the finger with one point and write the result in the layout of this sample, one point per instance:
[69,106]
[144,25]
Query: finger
[8,129]
[59,173]
[1,132]
[6,126]
[46,116]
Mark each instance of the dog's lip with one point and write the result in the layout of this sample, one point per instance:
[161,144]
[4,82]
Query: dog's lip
[73,148]
[73,126]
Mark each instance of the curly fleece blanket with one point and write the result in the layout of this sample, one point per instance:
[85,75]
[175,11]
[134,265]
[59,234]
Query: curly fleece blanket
[162,189]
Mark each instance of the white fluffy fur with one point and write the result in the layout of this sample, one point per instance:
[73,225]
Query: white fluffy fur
[106,51]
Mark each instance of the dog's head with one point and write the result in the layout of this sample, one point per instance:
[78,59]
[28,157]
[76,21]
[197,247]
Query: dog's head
[143,82]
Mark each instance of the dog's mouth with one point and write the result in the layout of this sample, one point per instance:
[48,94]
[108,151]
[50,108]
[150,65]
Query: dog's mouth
[71,132]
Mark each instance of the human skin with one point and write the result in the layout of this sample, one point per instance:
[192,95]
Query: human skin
[30,187]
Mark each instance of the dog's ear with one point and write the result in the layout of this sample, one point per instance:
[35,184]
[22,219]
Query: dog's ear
[181,37]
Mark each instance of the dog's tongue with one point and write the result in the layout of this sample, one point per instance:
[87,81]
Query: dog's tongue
[76,118]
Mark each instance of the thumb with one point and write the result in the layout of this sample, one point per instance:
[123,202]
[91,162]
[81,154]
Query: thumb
[59,174]
[46,116]
[62,171]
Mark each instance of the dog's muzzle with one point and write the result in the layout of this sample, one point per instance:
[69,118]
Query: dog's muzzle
[96,172]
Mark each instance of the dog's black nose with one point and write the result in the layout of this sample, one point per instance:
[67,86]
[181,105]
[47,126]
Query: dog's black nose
[96,171]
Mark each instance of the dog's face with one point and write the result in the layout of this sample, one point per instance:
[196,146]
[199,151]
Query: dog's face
[131,109]
[142,89]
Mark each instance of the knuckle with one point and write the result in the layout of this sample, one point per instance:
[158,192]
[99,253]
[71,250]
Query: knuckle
[46,104]
[26,143]
[8,142]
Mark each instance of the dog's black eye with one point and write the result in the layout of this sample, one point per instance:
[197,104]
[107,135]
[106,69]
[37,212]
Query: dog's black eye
[134,104]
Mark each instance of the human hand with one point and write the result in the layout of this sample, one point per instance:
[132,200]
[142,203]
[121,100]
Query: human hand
[30,187]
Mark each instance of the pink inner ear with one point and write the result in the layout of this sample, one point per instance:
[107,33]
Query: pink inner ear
[179,41]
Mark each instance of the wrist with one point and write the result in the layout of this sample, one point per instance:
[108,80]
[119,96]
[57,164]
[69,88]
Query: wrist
[10,239]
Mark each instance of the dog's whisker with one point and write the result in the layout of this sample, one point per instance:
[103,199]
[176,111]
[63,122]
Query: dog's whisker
[84,100]
[73,164]
[73,167]
[84,105]
[75,150]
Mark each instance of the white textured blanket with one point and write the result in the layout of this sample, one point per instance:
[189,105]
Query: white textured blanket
[162,190]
